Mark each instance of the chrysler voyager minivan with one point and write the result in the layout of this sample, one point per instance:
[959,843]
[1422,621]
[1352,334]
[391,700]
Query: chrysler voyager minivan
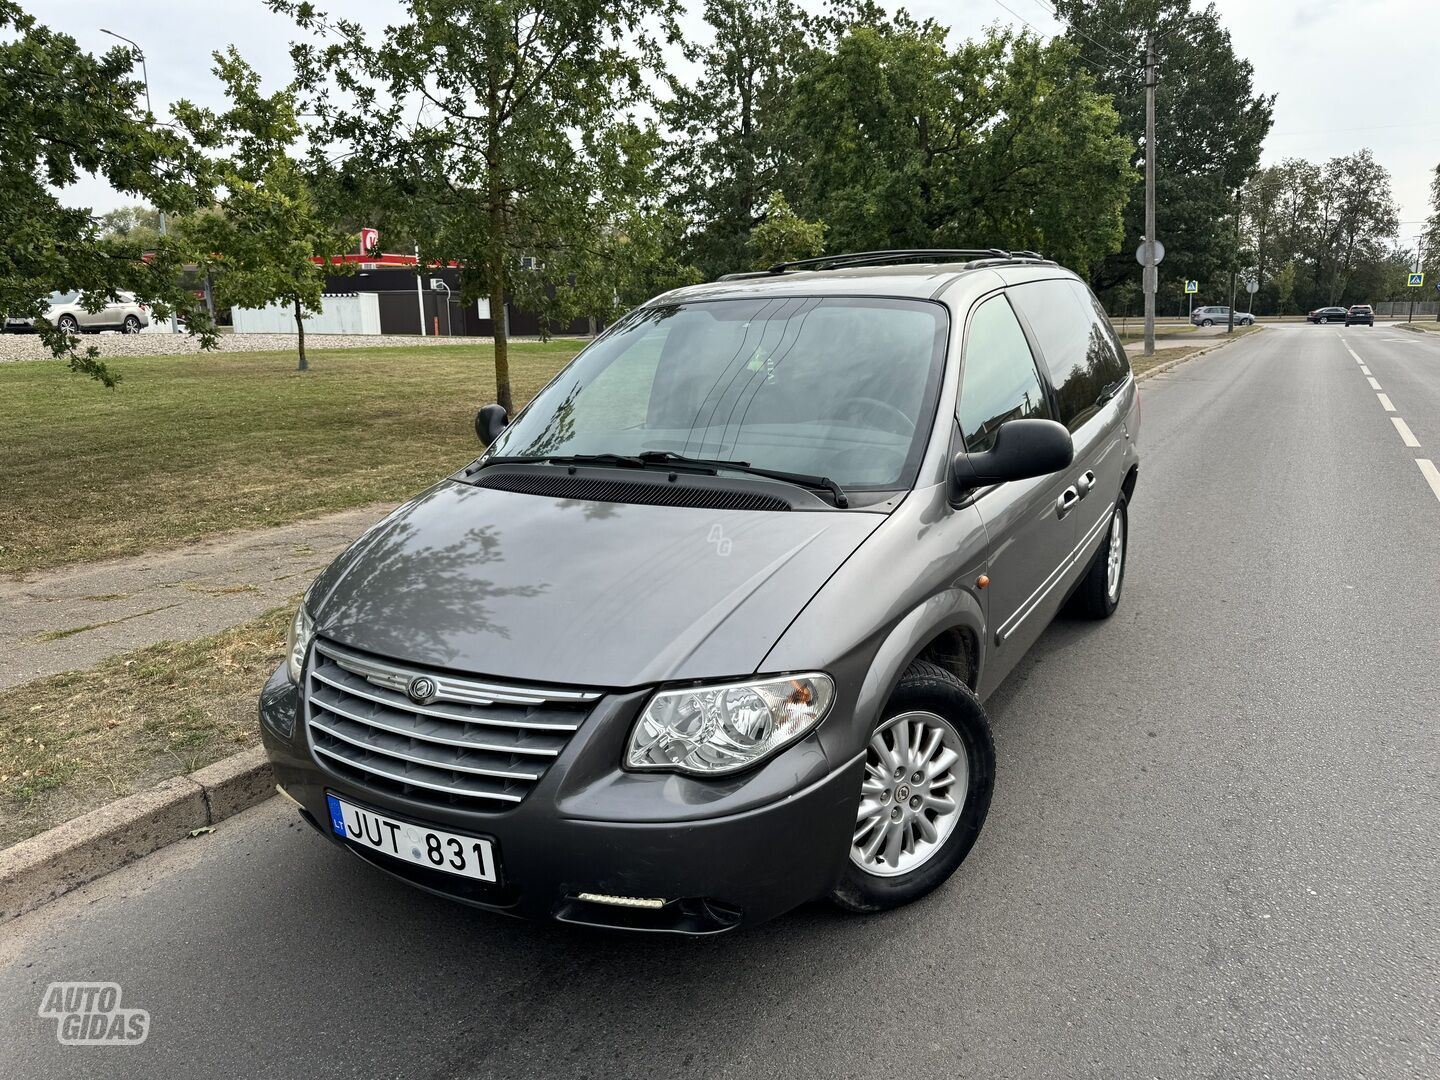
[706,631]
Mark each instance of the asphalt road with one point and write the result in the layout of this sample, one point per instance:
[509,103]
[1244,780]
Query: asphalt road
[1212,850]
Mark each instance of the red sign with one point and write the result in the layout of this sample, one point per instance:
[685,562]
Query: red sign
[369,240]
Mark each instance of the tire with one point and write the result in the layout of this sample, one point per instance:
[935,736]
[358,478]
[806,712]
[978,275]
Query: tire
[1207,322]
[1097,596]
[927,695]
[68,323]
[131,325]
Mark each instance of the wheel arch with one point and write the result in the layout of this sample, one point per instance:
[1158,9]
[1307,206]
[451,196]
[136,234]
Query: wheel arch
[947,629]
[1127,486]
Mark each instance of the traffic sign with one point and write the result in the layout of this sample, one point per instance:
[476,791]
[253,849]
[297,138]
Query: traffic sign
[1416,280]
[1252,286]
[1192,286]
[1159,252]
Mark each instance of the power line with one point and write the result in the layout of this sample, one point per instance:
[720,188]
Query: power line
[1091,67]
[1071,26]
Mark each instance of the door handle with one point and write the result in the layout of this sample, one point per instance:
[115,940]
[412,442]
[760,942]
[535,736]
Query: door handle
[1068,498]
[1085,483]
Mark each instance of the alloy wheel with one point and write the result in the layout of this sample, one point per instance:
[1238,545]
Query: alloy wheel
[917,777]
[1115,557]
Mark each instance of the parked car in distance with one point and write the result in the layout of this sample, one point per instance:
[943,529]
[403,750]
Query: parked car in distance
[67,312]
[1214,316]
[1327,314]
[705,633]
[1360,313]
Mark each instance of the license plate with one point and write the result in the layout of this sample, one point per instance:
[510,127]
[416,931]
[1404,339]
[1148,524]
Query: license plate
[464,856]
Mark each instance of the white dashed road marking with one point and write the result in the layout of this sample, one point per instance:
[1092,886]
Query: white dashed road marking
[1385,402]
[1406,435]
[1364,370]
[1432,474]
[1374,385]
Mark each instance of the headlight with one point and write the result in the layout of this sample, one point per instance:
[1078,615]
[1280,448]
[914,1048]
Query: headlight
[297,642]
[713,730]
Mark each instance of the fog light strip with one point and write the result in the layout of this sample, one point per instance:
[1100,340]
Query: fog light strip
[622,901]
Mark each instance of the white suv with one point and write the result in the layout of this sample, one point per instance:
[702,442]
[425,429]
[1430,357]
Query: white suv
[65,310]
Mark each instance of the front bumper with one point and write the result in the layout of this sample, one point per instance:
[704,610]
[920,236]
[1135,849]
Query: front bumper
[743,862]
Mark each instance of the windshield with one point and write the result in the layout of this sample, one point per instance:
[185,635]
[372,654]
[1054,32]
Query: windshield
[841,387]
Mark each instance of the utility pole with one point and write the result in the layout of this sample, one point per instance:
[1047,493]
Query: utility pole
[1234,264]
[150,113]
[1150,274]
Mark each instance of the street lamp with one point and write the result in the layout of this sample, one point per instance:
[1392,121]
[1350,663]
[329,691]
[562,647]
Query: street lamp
[150,112]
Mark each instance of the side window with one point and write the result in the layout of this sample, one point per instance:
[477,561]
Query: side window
[1000,382]
[1077,342]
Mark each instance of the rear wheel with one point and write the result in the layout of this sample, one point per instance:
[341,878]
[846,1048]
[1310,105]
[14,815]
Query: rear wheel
[132,325]
[929,772]
[1207,322]
[1099,593]
[69,324]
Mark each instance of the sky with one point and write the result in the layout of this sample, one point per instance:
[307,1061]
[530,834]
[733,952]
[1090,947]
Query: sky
[1346,74]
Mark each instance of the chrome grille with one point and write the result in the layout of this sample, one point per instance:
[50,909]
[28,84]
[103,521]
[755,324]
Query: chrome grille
[471,743]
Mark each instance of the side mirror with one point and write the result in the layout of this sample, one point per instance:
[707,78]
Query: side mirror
[490,421]
[1022,449]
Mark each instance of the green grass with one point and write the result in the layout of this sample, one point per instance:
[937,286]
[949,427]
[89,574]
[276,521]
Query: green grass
[188,447]
[1137,333]
[82,739]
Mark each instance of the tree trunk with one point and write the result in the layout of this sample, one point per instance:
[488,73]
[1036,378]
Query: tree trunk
[300,328]
[497,308]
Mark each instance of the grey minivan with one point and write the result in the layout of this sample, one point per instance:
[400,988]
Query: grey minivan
[705,632]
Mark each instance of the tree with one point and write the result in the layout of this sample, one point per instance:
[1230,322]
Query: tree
[899,140]
[784,235]
[66,112]
[1431,236]
[1209,125]
[139,224]
[503,131]
[1358,213]
[260,242]
[728,128]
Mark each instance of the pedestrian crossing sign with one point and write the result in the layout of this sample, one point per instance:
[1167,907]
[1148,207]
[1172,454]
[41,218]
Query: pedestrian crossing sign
[1417,280]
[1192,286]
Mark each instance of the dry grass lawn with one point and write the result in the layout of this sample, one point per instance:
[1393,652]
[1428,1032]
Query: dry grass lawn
[191,446]
[76,741]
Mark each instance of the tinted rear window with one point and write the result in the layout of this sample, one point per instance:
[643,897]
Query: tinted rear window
[1080,349]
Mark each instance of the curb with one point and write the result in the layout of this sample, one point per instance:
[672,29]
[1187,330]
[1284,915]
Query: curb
[1160,369]
[1408,328]
[36,871]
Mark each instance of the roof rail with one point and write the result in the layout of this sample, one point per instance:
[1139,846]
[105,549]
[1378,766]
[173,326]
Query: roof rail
[882,258]
[866,258]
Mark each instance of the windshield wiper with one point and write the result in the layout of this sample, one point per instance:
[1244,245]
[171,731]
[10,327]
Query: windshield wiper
[650,459]
[627,460]
[805,480]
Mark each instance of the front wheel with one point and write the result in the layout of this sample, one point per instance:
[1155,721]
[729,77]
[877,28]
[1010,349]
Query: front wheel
[929,773]
[1207,322]
[69,324]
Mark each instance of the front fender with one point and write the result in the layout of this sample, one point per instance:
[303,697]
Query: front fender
[911,581]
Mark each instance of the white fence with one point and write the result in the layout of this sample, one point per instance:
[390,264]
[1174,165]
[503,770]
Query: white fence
[340,313]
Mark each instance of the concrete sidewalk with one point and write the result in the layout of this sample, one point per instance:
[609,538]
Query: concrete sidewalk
[62,620]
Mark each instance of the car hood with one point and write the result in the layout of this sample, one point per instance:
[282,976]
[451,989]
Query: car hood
[535,588]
